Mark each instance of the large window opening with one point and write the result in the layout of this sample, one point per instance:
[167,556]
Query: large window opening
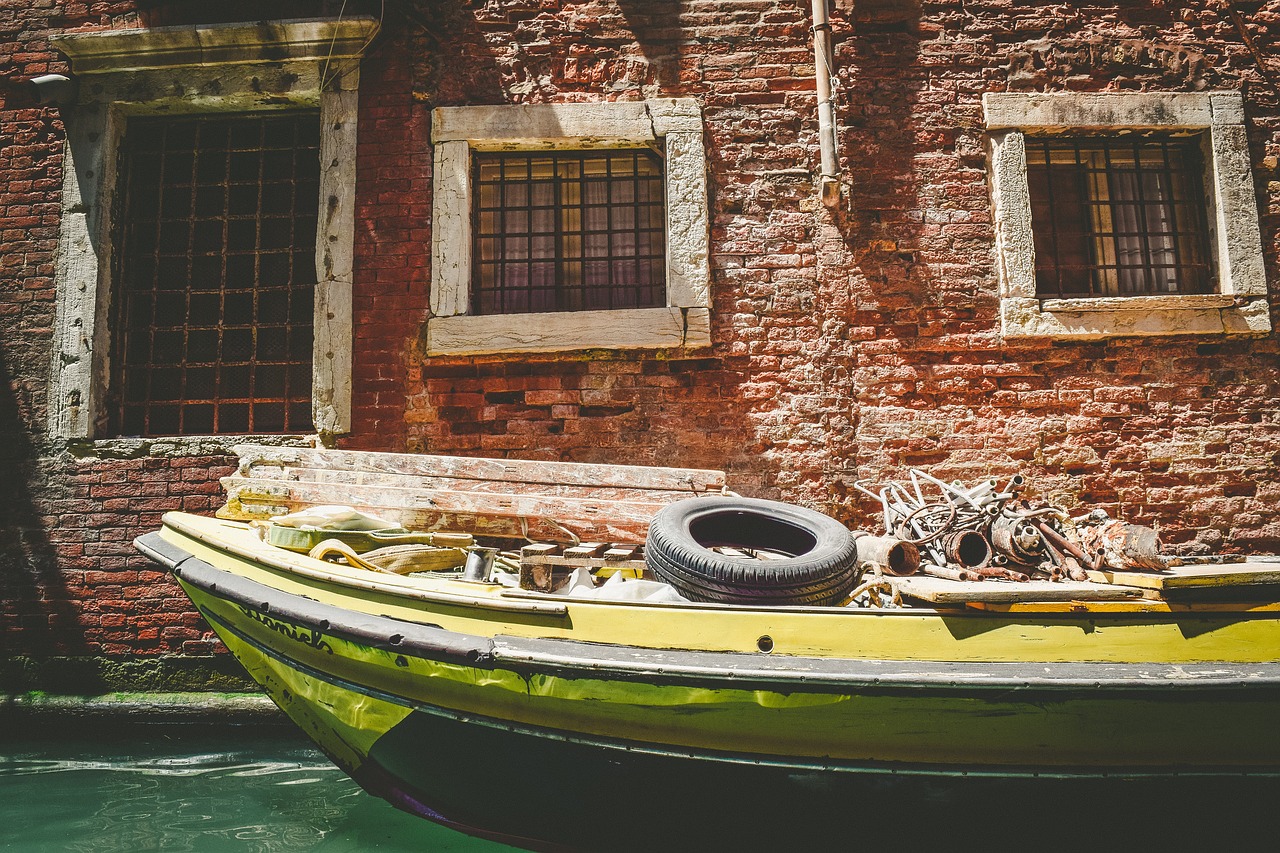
[216,264]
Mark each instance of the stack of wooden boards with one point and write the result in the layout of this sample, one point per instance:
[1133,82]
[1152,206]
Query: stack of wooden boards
[508,498]
[603,512]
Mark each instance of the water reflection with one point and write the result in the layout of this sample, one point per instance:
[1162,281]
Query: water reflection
[184,790]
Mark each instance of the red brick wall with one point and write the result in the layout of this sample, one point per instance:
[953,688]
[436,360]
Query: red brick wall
[845,345]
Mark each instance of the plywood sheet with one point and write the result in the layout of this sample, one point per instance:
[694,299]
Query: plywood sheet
[943,591]
[1250,572]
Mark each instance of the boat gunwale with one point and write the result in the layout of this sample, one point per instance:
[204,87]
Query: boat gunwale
[716,669]
[351,577]
[527,602]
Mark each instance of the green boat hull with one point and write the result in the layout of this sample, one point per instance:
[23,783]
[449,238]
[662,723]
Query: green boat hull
[561,744]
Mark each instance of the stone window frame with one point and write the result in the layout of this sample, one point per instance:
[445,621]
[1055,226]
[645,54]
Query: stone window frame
[674,125]
[1240,305]
[206,68]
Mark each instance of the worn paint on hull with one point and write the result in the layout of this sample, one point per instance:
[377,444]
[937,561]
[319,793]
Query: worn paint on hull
[426,702]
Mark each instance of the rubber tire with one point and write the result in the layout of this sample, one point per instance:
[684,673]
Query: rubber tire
[821,571]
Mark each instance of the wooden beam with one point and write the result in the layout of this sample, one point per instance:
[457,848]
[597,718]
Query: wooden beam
[468,468]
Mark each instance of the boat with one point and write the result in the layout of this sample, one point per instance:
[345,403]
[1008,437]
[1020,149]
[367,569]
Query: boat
[554,721]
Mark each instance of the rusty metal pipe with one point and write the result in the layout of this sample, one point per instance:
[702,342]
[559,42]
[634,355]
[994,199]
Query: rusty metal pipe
[999,572]
[949,573]
[1063,543]
[967,548]
[897,557]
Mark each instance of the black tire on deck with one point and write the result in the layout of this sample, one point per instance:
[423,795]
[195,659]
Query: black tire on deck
[820,569]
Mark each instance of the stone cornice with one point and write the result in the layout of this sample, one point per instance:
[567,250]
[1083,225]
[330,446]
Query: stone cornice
[315,39]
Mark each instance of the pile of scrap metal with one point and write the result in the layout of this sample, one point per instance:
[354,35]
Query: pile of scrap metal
[984,532]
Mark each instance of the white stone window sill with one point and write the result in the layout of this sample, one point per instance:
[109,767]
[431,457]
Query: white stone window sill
[1136,316]
[632,328]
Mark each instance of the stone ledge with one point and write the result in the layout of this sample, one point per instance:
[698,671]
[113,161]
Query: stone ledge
[145,707]
[1095,319]
[316,39]
[180,446]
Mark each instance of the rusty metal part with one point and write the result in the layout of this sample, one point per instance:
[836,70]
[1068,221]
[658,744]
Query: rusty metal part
[1071,566]
[1125,545]
[1001,572]
[967,548]
[897,557]
[924,521]
[1017,538]
[949,573]
[1062,543]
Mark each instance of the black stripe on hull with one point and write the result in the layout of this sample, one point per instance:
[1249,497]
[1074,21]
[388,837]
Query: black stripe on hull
[718,670]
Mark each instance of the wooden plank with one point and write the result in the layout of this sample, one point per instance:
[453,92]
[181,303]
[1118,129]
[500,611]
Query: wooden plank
[605,520]
[586,549]
[415,481]
[944,591]
[474,468]
[561,509]
[1248,573]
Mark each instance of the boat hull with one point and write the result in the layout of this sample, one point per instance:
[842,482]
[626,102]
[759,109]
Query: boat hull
[439,721]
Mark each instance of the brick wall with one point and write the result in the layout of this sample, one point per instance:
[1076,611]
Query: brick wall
[847,344]
[861,343]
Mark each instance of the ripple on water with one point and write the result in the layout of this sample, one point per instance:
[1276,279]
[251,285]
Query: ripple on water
[180,793]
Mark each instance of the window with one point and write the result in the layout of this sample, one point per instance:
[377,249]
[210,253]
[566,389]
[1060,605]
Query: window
[568,231]
[216,253]
[569,226]
[1118,216]
[1125,214]
[198,291]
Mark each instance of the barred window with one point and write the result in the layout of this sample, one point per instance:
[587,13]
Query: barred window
[1118,215]
[216,256]
[568,231]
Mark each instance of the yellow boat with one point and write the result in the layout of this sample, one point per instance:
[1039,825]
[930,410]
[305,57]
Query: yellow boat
[523,715]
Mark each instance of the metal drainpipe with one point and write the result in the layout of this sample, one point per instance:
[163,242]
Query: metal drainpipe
[824,67]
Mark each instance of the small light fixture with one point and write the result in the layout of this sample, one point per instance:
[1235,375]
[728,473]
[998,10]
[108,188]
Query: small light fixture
[53,89]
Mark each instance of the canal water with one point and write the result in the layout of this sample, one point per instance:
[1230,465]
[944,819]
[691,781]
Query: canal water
[209,789]
[199,789]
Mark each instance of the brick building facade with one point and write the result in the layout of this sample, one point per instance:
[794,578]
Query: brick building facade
[799,346]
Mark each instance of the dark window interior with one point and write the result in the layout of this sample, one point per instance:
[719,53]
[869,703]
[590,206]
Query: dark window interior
[568,231]
[216,265]
[1118,216]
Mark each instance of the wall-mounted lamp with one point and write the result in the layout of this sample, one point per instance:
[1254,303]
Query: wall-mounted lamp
[53,89]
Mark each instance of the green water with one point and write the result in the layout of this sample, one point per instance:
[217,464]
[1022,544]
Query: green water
[196,789]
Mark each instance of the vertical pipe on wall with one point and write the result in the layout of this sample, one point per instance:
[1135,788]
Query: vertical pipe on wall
[824,67]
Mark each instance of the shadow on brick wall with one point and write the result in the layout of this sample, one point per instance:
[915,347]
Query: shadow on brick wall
[36,617]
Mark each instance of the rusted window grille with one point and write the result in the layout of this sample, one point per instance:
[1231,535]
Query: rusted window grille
[1118,216]
[216,258]
[568,231]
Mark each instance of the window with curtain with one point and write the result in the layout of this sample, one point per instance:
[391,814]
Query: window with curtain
[568,231]
[1118,215]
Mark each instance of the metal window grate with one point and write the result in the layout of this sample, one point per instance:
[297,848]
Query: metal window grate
[568,231]
[216,258]
[1118,216]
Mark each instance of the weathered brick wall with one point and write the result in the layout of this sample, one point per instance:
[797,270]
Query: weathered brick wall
[859,344]
[72,588]
[845,345]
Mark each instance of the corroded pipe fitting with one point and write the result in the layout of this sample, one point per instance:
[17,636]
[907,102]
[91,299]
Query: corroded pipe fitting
[897,557]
